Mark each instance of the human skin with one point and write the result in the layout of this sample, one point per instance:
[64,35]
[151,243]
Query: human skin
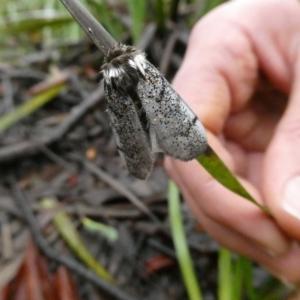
[241,76]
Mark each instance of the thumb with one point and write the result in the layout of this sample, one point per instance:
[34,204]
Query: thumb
[282,165]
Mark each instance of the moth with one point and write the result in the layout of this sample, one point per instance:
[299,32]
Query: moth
[147,115]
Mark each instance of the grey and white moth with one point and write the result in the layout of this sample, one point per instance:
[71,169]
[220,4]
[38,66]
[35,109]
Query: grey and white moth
[147,115]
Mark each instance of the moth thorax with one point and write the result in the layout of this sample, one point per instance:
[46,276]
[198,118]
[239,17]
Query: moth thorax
[123,67]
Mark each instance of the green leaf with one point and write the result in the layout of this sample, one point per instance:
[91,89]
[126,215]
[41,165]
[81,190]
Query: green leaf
[272,289]
[160,15]
[248,273]
[30,106]
[225,275]
[238,278]
[35,21]
[235,277]
[137,11]
[183,255]
[106,16]
[217,169]
[108,231]
[69,233]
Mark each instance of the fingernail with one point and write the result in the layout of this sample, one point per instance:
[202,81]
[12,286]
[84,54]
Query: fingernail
[291,197]
[271,253]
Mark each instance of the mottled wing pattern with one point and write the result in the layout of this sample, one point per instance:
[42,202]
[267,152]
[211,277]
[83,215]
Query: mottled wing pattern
[174,128]
[132,142]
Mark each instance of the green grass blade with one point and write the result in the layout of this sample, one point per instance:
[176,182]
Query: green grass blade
[225,289]
[239,279]
[137,11]
[105,15]
[216,168]
[272,289]
[71,236]
[32,105]
[174,6]
[248,273]
[235,277]
[35,21]
[109,232]
[180,244]
[160,15]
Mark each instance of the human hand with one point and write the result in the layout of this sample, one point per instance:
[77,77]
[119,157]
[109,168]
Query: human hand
[241,76]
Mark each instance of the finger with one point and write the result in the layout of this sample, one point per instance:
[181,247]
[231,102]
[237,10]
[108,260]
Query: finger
[282,165]
[223,234]
[281,176]
[215,77]
[253,126]
[251,129]
[220,70]
[227,208]
[285,267]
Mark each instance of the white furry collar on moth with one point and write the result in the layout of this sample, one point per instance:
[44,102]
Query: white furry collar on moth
[115,72]
[138,62]
[112,73]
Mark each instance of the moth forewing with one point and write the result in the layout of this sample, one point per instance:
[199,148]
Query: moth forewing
[133,145]
[174,128]
[134,87]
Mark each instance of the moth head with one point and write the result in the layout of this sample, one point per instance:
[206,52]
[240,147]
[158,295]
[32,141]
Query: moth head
[123,67]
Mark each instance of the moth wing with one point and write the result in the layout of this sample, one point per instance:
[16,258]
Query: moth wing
[133,144]
[174,128]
